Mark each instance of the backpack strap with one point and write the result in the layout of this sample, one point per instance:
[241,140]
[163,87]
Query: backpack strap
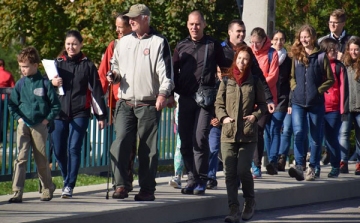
[338,69]
[321,57]
[270,56]
[205,60]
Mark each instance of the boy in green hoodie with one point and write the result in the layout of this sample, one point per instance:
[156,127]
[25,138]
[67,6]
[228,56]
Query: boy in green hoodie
[33,105]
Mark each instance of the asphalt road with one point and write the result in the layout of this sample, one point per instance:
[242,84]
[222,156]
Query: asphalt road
[337,211]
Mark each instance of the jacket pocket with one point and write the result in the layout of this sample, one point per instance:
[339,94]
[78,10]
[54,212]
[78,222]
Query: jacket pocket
[249,128]
[228,130]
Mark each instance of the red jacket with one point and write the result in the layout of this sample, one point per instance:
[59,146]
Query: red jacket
[6,79]
[103,69]
[335,97]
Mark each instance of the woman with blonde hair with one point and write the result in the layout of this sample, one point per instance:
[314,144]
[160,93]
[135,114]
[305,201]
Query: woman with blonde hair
[311,77]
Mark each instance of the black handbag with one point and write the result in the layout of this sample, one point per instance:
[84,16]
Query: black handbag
[206,95]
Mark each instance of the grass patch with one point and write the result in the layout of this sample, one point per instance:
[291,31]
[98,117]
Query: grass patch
[32,185]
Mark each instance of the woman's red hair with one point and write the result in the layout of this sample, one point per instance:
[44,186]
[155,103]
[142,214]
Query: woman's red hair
[233,67]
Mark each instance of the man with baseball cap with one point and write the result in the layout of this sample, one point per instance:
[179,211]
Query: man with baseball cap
[142,64]
[138,9]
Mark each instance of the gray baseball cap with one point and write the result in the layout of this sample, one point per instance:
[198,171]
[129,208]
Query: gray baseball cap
[138,9]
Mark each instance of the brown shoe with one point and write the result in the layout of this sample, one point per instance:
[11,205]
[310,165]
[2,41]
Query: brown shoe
[144,196]
[120,193]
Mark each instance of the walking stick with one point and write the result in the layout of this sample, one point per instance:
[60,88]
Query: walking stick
[108,137]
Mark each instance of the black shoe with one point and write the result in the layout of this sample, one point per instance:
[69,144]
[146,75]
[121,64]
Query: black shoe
[211,184]
[234,215]
[281,163]
[297,172]
[188,189]
[271,169]
[144,196]
[249,209]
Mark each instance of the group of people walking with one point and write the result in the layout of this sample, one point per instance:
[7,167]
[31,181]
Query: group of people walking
[230,98]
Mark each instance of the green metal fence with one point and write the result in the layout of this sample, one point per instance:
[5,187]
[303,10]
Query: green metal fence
[94,155]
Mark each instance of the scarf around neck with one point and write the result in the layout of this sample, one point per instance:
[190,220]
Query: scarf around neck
[282,55]
[237,75]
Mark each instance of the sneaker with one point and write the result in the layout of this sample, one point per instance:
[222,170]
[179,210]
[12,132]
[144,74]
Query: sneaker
[256,171]
[175,182]
[297,172]
[120,193]
[234,215]
[334,172]
[144,196]
[281,163]
[325,159]
[344,167]
[47,193]
[310,174]
[249,209]
[357,169]
[211,184]
[67,192]
[188,189]
[271,169]
[17,198]
[200,189]
[317,172]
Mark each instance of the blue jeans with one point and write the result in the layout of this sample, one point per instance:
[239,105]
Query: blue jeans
[344,136]
[286,134]
[214,144]
[314,116]
[332,123]
[68,137]
[272,135]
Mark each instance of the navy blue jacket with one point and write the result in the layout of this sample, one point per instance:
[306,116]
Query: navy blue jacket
[310,82]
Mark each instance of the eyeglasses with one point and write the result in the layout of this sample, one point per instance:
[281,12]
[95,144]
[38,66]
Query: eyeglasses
[257,43]
[335,23]
[281,40]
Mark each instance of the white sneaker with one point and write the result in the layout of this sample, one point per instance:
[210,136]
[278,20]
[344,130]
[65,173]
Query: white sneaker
[310,174]
[67,192]
[175,182]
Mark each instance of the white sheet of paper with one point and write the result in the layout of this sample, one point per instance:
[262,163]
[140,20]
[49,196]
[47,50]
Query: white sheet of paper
[51,71]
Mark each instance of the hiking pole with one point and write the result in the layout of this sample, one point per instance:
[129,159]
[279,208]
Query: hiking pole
[108,137]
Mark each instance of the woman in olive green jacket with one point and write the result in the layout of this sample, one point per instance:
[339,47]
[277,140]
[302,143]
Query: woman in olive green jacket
[240,102]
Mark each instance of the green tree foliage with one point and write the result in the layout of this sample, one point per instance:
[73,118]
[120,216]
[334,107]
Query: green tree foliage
[291,14]
[44,23]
